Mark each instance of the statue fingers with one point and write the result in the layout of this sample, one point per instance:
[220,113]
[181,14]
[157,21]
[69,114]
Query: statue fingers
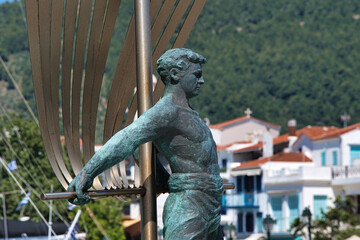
[81,197]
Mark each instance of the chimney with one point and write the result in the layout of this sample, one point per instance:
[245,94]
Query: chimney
[268,147]
[292,134]
[292,127]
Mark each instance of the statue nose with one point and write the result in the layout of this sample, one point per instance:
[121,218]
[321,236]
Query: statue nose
[201,80]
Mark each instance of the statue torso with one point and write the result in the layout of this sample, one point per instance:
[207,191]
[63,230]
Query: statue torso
[188,145]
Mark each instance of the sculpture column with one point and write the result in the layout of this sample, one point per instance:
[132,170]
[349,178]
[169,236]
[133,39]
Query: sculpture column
[145,101]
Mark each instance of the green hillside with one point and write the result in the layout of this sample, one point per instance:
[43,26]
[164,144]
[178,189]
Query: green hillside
[283,59]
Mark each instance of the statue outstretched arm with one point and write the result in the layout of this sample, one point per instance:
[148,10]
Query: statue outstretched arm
[148,127]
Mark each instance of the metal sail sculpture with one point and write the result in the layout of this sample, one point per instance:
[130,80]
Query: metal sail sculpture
[69,44]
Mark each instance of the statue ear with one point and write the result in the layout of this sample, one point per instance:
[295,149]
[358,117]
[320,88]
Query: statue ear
[174,74]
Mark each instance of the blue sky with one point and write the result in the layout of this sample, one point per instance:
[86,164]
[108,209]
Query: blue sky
[2,1]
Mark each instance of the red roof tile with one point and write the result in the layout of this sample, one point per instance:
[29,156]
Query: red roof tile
[280,157]
[336,132]
[315,131]
[222,125]
[311,131]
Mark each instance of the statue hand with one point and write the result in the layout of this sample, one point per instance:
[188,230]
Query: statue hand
[79,184]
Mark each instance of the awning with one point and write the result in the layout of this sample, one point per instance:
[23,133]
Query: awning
[130,222]
[246,172]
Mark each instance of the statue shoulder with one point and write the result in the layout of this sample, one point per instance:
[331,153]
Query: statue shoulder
[164,110]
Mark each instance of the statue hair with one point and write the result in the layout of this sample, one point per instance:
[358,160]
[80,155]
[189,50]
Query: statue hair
[178,58]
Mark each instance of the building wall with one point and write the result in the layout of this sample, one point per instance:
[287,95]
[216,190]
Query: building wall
[304,145]
[244,131]
[160,202]
[216,133]
[328,146]
[309,191]
[348,139]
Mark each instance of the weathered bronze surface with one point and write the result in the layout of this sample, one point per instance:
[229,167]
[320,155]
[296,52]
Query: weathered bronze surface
[192,210]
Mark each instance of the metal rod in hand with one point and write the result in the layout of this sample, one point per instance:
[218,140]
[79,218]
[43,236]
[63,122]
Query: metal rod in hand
[94,194]
[109,193]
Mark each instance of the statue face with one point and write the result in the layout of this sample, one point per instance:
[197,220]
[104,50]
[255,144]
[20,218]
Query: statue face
[191,80]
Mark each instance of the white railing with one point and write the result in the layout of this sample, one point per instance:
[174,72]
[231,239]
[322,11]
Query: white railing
[341,172]
[286,175]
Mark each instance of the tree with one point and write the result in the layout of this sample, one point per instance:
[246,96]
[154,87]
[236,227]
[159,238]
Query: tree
[338,222]
[20,140]
[102,216]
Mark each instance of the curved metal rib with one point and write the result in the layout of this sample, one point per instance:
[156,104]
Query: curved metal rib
[32,13]
[127,90]
[68,40]
[45,27]
[183,35]
[92,52]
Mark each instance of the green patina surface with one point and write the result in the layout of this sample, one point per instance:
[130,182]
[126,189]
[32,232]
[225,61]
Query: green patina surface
[192,210]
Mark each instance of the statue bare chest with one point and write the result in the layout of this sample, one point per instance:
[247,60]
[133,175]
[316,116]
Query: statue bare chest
[188,138]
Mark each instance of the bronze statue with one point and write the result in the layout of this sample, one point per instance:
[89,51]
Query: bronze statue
[192,210]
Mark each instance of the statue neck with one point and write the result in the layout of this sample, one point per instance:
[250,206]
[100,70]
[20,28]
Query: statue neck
[177,95]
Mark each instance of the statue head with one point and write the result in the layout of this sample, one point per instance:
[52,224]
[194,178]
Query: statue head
[178,58]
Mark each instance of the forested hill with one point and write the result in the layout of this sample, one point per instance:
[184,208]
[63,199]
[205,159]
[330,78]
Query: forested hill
[283,59]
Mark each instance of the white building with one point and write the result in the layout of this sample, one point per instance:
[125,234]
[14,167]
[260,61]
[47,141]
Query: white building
[281,175]
[308,168]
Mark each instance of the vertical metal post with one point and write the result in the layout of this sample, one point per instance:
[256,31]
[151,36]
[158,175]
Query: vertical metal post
[2,195]
[5,218]
[50,215]
[145,101]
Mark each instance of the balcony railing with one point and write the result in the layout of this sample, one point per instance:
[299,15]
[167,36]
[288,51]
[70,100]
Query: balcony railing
[240,200]
[340,172]
[304,173]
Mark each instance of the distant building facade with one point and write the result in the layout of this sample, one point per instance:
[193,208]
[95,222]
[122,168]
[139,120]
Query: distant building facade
[281,175]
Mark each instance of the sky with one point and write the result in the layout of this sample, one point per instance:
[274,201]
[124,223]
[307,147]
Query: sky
[2,1]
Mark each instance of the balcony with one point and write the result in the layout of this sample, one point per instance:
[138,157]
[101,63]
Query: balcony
[301,174]
[241,200]
[341,172]
[345,175]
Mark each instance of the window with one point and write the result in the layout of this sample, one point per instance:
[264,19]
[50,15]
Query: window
[335,161]
[239,181]
[224,162]
[249,184]
[223,204]
[354,154]
[320,203]
[258,182]
[259,218]
[323,158]
[240,222]
[126,210]
[249,222]
[293,203]
[276,205]
[223,210]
